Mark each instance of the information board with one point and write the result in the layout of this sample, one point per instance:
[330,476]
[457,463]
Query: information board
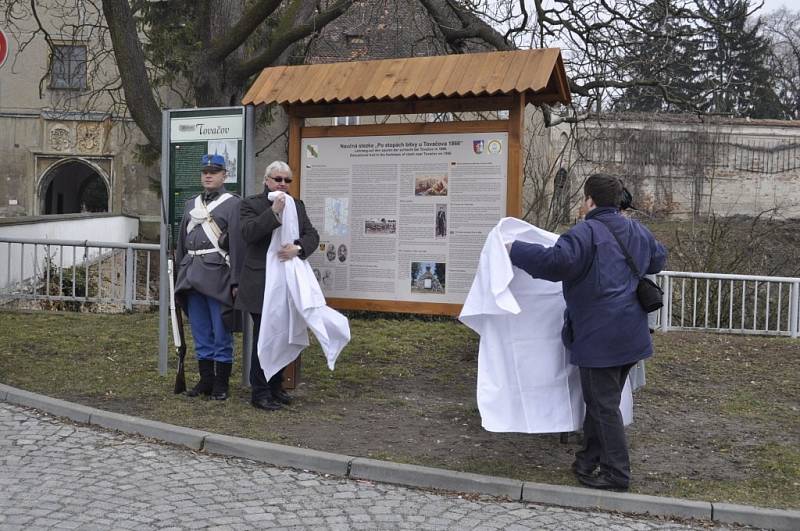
[194,133]
[403,217]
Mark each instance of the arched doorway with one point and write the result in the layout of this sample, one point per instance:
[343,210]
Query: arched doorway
[73,186]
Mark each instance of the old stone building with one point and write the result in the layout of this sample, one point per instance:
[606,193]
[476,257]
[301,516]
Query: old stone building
[65,148]
[68,147]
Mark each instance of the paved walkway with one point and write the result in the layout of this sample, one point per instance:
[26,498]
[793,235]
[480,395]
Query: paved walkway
[55,474]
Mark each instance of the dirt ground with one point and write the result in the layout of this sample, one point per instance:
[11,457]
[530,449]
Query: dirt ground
[719,418]
[700,420]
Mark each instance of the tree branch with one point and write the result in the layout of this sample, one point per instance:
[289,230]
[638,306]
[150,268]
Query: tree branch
[133,72]
[237,34]
[282,41]
[472,27]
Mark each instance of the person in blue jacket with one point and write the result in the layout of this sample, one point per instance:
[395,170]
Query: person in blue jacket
[605,328]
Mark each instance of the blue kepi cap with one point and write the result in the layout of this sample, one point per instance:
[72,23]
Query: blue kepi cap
[213,162]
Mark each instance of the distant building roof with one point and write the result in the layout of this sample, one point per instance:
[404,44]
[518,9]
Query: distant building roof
[537,73]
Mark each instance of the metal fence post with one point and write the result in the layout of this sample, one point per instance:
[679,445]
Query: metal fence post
[163,286]
[666,310]
[249,176]
[793,307]
[129,280]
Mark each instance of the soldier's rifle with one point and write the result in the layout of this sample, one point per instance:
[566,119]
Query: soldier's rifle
[177,331]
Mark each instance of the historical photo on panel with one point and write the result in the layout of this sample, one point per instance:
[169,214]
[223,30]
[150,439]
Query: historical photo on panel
[326,278]
[341,253]
[441,220]
[230,150]
[330,250]
[426,184]
[428,277]
[337,212]
[380,226]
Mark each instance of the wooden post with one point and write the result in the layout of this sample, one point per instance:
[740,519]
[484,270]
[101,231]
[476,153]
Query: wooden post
[291,374]
[516,130]
[295,144]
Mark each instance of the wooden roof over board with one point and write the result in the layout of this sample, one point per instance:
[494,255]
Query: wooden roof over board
[539,74]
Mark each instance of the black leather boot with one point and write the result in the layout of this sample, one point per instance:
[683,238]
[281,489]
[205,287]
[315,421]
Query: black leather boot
[276,389]
[206,383]
[220,390]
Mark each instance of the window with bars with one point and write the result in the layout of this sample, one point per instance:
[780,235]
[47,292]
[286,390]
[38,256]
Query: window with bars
[68,67]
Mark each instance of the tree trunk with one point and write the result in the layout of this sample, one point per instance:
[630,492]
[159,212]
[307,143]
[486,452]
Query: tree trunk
[131,64]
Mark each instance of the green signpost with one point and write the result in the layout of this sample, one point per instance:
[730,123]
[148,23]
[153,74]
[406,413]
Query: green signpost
[188,134]
[192,134]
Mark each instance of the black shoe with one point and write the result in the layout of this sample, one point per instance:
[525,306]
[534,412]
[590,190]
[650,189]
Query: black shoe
[206,383]
[602,481]
[282,396]
[266,404]
[220,390]
[582,469]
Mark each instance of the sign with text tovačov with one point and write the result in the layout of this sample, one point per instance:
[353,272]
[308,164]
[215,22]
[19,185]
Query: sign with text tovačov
[192,134]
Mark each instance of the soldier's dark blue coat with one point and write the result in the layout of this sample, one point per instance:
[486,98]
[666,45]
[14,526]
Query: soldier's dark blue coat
[609,326]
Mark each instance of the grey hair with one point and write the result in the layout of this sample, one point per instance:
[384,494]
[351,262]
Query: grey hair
[277,165]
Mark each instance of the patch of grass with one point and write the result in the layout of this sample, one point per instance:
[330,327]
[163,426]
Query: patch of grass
[719,418]
[774,482]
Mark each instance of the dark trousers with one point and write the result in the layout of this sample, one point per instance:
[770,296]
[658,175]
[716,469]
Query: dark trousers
[259,386]
[604,441]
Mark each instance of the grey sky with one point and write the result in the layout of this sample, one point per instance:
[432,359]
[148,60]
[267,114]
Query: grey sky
[772,5]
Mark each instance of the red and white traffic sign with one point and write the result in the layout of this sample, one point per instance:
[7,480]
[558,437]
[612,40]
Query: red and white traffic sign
[3,47]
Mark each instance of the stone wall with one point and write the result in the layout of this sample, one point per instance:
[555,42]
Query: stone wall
[681,166]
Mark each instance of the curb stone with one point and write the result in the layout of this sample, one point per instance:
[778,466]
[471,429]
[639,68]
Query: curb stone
[106,419]
[149,428]
[437,478]
[54,406]
[756,516]
[411,475]
[278,454]
[615,501]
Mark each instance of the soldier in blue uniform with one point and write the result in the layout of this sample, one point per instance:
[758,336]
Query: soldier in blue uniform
[209,256]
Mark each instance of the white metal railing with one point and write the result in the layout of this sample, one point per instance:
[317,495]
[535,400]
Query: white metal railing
[124,274]
[740,304]
[127,274]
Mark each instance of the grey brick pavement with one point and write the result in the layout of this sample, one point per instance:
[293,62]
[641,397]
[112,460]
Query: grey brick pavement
[59,475]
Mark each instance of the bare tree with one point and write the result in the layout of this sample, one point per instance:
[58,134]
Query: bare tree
[595,38]
[206,51]
[782,28]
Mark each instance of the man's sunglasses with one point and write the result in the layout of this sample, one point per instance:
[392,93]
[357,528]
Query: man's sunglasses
[286,180]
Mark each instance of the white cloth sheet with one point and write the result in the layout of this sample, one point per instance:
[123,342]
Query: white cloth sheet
[293,303]
[525,381]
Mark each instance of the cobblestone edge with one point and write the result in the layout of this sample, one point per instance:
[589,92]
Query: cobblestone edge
[408,475]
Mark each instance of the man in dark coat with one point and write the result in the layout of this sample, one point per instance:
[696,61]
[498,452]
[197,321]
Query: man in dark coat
[606,328]
[209,256]
[259,217]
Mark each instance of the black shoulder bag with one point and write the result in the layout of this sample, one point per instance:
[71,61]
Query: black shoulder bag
[651,297]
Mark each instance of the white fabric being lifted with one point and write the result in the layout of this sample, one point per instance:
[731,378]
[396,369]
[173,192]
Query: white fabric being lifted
[525,381]
[293,303]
